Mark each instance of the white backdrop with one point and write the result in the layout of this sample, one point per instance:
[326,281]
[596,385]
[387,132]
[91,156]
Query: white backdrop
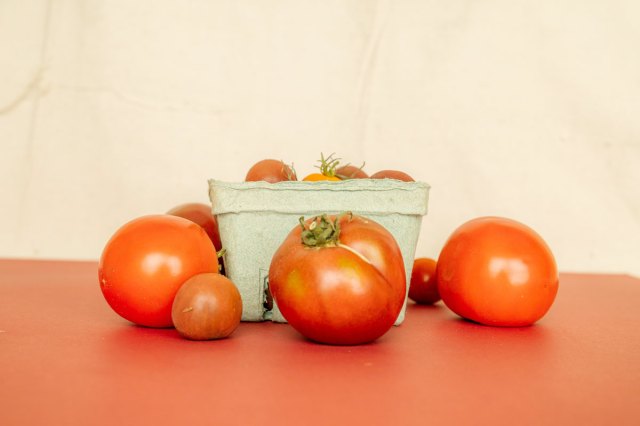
[531,110]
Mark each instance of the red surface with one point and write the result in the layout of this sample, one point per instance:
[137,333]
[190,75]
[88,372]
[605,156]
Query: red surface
[66,358]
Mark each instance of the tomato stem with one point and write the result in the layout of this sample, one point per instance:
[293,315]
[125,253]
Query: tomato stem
[321,231]
[328,165]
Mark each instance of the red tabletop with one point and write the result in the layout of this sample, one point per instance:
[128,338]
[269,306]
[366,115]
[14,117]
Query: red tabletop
[66,358]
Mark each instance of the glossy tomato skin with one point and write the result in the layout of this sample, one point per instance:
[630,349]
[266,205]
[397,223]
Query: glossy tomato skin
[497,271]
[207,306]
[269,170]
[392,174]
[147,260]
[200,214]
[340,295]
[424,287]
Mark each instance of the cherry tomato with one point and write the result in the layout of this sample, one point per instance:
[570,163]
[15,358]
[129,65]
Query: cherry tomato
[200,214]
[424,288]
[340,280]
[392,174]
[270,171]
[497,271]
[351,172]
[207,306]
[147,260]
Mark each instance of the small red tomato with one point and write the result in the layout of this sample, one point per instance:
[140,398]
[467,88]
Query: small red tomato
[424,288]
[147,260]
[392,174]
[207,306]
[270,171]
[351,172]
[200,214]
[497,271]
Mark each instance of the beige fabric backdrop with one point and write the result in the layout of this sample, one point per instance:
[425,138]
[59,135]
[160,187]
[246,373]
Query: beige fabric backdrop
[114,109]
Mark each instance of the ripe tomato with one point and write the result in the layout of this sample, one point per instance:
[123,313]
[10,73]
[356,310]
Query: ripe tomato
[207,306]
[497,271]
[392,174]
[351,172]
[424,287]
[200,214]
[270,171]
[147,260]
[340,281]
[316,177]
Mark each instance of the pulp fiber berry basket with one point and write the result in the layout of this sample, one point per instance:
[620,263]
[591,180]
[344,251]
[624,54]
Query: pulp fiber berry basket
[255,217]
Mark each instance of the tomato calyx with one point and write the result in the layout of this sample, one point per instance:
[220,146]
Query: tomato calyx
[320,232]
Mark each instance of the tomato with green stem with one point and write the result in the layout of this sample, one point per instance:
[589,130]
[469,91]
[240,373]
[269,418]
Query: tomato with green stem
[339,279]
[327,169]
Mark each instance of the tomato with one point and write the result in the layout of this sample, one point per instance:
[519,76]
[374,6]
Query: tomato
[270,171]
[200,214]
[147,260]
[392,174]
[497,271]
[207,306]
[340,281]
[424,287]
[351,172]
[316,177]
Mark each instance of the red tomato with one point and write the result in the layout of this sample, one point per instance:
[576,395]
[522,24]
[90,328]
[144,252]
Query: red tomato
[424,287]
[270,171]
[351,172]
[392,174]
[147,260]
[200,214]
[497,271]
[339,281]
[207,306]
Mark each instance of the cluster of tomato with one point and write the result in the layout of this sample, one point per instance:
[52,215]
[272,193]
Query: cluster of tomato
[336,279]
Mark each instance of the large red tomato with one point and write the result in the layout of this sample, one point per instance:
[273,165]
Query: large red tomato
[497,271]
[340,280]
[147,260]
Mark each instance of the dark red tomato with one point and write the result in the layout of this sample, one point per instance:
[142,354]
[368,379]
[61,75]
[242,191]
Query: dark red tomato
[207,306]
[270,171]
[424,287]
[147,260]
[200,214]
[392,174]
[351,172]
[343,286]
[497,271]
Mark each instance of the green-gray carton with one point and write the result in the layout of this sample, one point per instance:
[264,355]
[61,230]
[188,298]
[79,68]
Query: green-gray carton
[255,217]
